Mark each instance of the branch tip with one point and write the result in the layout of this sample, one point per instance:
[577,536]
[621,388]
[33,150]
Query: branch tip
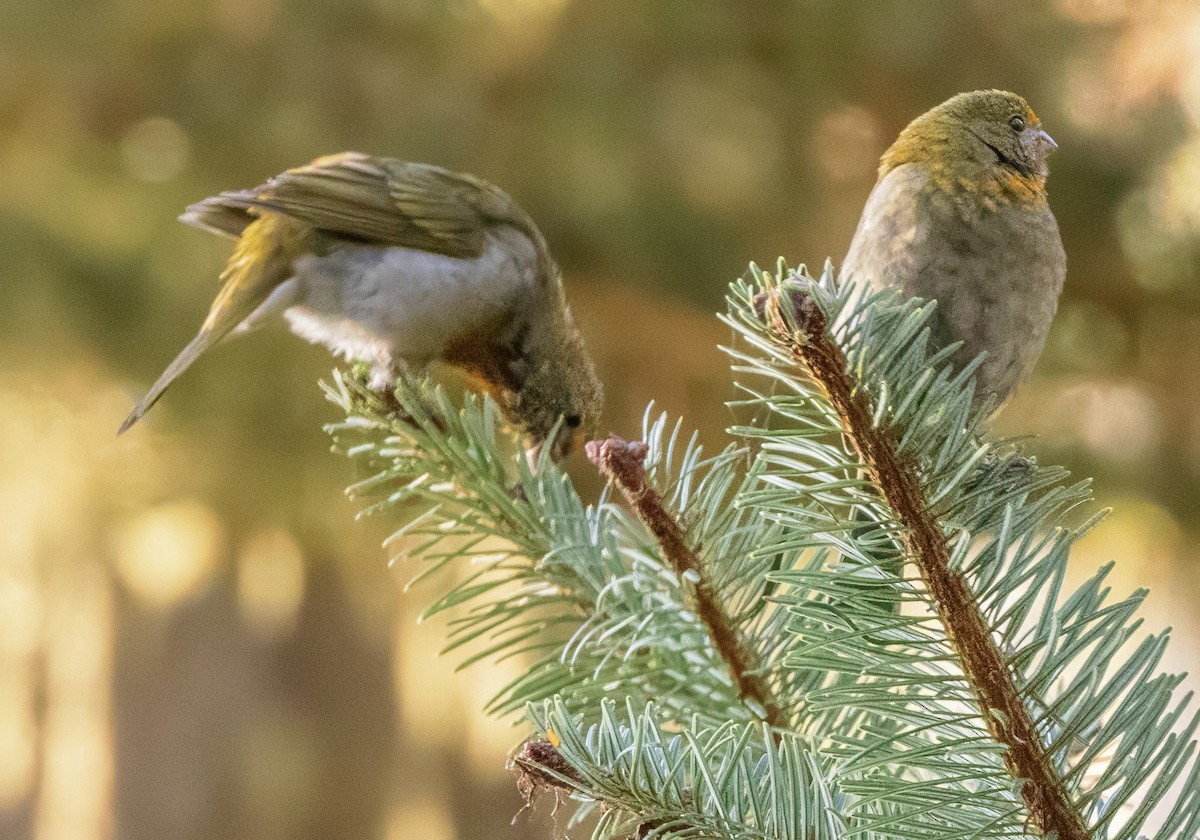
[803,316]
[539,766]
[803,330]
[616,456]
[623,463]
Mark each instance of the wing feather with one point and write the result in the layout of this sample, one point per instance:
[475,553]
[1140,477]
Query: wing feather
[377,200]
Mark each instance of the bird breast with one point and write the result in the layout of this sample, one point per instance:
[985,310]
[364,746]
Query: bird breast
[996,270]
[379,304]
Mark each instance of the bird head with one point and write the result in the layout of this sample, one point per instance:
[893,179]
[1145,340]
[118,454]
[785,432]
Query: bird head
[987,127]
[561,382]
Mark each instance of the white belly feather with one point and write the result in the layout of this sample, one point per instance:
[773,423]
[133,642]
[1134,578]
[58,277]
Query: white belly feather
[385,305]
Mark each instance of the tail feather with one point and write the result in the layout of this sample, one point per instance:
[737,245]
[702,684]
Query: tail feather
[260,263]
[203,340]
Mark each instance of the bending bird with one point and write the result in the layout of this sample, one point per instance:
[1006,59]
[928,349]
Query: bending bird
[400,264]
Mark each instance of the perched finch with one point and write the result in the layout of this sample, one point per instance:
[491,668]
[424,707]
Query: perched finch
[400,264]
[959,215]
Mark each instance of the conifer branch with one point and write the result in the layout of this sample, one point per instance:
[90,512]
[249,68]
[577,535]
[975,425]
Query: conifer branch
[1005,706]
[540,766]
[645,777]
[624,464]
[804,331]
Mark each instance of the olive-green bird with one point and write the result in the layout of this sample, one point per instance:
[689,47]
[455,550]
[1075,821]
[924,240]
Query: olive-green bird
[959,215]
[400,264]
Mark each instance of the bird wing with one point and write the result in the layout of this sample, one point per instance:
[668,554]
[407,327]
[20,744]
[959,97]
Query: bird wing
[891,233]
[995,270]
[376,200]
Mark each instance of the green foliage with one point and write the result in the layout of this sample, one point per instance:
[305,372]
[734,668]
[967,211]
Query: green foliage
[885,733]
[731,780]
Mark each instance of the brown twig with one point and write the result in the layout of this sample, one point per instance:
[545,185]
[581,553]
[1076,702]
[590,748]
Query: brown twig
[1006,716]
[623,463]
[540,766]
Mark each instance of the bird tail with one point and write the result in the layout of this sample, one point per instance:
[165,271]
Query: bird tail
[203,340]
[261,262]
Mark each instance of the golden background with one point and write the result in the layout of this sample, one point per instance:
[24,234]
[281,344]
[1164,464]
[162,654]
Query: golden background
[196,639]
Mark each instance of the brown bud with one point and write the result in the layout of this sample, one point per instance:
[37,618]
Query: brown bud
[539,766]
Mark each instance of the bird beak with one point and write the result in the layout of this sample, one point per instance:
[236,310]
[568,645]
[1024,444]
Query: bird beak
[567,442]
[1046,140]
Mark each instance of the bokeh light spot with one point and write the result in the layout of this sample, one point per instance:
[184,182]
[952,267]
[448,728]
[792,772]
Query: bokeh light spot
[847,144]
[155,150]
[168,552]
[427,820]
[1119,422]
[17,736]
[521,10]
[1159,224]
[1095,11]
[1179,190]
[270,582]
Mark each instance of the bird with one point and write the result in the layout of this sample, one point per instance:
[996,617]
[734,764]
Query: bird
[398,265]
[959,215]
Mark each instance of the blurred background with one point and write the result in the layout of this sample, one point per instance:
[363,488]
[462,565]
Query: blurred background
[197,640]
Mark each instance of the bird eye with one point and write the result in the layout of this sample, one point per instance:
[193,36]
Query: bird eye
[1017,123]
[573,421]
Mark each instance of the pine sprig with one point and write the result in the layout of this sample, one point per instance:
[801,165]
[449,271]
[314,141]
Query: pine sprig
[732,780]
[622,463]
[584,590]
[1034,665]
[994,703]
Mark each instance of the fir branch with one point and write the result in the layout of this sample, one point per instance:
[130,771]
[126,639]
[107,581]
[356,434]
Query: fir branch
[804,329]
[583,588]
[624,464]
[732,781]
[906,725]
